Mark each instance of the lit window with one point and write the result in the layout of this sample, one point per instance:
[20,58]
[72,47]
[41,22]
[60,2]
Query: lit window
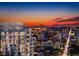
[2,33]
[22,33]
[16,34]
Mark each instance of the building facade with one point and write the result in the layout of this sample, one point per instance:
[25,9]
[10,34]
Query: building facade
[15,39]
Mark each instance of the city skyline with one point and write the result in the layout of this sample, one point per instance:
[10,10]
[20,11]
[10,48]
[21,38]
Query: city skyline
[39,29]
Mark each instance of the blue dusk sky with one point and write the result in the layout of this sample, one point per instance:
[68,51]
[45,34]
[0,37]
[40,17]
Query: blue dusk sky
[39,9]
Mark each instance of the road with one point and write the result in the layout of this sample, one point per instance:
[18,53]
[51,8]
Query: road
[67,45]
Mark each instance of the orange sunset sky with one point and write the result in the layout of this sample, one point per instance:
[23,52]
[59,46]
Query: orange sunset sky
[31,13]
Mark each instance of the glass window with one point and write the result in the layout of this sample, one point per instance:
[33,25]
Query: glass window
[2,33]
[22,33]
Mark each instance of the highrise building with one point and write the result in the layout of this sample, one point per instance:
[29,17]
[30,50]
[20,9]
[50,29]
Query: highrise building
[16,39]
